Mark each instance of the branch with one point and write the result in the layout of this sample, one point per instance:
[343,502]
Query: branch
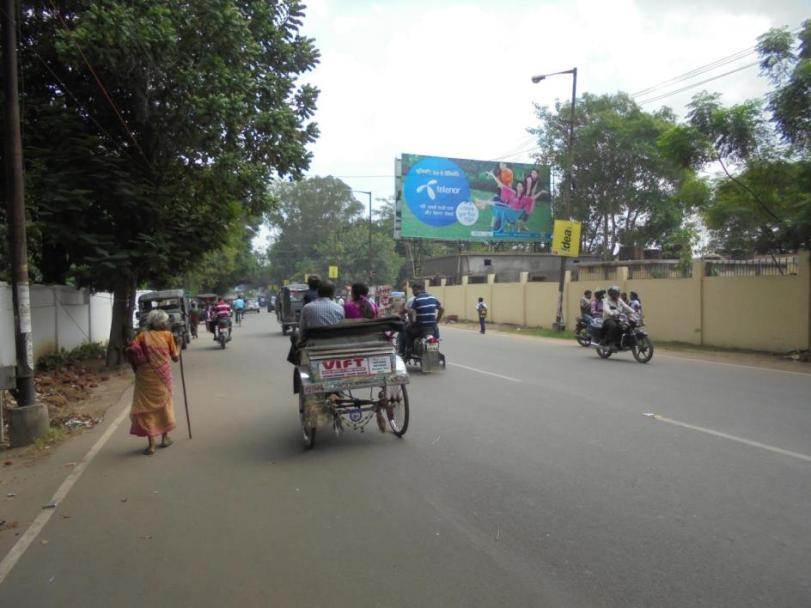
[743,186]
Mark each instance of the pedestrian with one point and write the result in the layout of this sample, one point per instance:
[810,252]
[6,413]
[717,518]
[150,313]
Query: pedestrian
[360,306]
[481,308]
[313,281]
[152,412]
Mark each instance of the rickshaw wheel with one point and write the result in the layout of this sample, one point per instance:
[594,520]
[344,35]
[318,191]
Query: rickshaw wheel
[284,330]
[397,414]
[307,432]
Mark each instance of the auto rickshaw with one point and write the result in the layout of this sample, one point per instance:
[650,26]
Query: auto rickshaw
[173,302]
[289,305]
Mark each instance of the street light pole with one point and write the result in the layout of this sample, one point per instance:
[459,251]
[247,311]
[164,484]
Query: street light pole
[369,248]
[559,321]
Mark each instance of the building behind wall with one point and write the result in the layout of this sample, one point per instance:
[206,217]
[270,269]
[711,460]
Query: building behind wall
[506,265]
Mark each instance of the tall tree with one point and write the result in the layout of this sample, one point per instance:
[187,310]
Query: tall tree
[626,192]
[152,126]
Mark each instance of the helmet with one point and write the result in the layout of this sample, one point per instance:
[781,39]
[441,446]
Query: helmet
[613,291]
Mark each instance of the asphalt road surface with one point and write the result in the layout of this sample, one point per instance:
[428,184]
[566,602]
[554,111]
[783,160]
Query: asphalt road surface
[529,476]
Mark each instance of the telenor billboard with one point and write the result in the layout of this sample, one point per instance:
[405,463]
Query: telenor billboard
[459,199]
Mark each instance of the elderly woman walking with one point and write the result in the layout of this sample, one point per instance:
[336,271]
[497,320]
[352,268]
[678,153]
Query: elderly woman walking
[149,353]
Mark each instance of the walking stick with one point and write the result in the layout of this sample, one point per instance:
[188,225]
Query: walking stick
[185,398]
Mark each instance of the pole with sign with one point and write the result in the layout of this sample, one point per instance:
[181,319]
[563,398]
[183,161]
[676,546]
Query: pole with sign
[566,238]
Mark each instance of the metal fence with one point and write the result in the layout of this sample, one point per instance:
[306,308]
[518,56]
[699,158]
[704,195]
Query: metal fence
[786,265]
[660,270]
[594,273]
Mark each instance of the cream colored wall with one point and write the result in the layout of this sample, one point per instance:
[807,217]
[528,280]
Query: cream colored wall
[672,307]
[762,313]
[507,304]
[542,304]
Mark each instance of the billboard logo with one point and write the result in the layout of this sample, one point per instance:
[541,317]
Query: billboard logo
[428,189]
[434,188]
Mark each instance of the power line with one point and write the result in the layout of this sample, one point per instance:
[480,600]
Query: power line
[697,84]
[697,71]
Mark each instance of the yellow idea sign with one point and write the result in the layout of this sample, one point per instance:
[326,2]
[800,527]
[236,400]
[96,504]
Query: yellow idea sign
[566,238]
[333,272]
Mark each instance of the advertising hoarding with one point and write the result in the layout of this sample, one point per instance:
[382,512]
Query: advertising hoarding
[456,199]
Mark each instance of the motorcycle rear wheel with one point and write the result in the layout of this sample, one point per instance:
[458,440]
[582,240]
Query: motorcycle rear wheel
[643,351]
[223,339]
[307,432]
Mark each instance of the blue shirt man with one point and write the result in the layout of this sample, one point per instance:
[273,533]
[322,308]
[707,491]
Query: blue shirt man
[239,304]
[424,311]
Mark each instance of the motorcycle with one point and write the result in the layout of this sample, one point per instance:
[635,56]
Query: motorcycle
[634,338]
[424,352]
[581,331]
[222,331]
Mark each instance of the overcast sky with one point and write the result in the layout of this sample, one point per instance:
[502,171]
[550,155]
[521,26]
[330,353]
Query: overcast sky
[452,78]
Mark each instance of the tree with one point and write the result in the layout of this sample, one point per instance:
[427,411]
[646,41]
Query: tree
[626,191]
[762,203]
[152,126]
[787,63]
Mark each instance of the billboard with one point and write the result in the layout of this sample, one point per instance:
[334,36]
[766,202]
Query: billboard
[458,199]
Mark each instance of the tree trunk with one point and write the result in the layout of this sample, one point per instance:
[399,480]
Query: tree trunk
[121,326]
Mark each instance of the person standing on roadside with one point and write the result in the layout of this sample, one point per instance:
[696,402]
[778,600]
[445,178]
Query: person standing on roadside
[481,309]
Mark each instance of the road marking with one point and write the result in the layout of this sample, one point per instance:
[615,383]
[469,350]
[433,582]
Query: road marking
[30,535]
[481,371]
[756,444]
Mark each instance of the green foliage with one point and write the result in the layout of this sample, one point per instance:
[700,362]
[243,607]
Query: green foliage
[787,63]
[84,352]
[153,126]
[626,190]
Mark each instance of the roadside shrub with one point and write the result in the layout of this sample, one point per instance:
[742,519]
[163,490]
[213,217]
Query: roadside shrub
[84,352]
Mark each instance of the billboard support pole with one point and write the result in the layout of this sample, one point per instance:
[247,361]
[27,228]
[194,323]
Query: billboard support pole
[560,323]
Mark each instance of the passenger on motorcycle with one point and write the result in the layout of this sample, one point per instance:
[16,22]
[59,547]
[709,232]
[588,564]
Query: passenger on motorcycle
[613,309]
[424,312]
[585,305]
[597,304]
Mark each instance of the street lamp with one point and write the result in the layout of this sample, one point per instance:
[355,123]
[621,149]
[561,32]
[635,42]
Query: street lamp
[559,323]
[369,250]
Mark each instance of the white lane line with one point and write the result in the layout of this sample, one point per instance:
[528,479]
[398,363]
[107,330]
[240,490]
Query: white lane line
[30,535]
[481,371]
[756,444]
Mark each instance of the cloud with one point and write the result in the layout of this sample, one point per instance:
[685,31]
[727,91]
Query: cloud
[453,79]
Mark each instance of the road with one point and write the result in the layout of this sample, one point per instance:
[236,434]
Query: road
[529,477]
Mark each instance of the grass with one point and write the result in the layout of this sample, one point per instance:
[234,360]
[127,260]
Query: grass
[540,332]
[53,436]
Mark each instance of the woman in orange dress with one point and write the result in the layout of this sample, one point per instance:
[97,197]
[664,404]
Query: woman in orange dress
[150,354]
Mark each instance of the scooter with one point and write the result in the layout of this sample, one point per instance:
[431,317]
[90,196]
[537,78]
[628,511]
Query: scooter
[222,331]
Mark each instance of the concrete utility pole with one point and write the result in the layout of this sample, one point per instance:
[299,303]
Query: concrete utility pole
[369,247]
[560,324]
[29,420]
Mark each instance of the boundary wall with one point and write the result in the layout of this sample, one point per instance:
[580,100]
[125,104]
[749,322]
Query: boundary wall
[61,317]
[769,313]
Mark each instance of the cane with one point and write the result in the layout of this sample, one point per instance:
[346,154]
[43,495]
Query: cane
[185,398]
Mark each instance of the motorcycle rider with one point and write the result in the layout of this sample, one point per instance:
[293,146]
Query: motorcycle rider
[222,311]
[613,308]
[239,307]
[312,292]
[424,313]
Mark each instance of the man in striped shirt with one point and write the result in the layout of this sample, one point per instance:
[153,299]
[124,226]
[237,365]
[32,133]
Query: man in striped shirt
[424,312]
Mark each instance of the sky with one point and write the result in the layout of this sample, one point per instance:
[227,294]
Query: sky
[452,78]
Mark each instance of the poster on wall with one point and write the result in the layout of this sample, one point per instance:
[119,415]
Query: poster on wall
[457,199]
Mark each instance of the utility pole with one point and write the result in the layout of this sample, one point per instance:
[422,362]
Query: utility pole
[560,324]
[28,420]
[369,247]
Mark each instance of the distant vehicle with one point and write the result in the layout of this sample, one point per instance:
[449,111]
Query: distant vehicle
[251,306]
[290,304]
[262,301]
[174,303]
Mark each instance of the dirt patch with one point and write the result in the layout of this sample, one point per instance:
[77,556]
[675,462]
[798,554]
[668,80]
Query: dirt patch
[77,394]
